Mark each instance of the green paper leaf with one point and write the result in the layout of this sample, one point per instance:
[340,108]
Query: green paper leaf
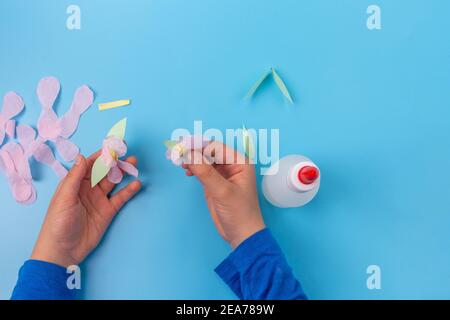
[257,84]
[249,147]
[170,144]
[99,171]
[281,86]
[118,130]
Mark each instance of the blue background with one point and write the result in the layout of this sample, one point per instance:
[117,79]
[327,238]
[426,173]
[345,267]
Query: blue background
[372,110]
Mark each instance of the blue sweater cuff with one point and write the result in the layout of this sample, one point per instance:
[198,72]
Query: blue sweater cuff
[262,242]
[243,257]
[39,280]
[258,270]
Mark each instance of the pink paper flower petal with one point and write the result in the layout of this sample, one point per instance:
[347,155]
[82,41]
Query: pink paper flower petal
[16,167]
[10,128]
[115,175]
[59,169]
[32,197]
[67,149]
[12,105]
[83,99]
[44,154]
[47,92]
[128,168]
[21,189]
[48,126]
[2,136]
[25,135]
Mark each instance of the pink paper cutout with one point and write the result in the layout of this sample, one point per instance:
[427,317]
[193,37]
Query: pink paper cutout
[45,155]
[14,157]
[12,106]
[16,167]
[36,147]
[115,146]
[83,99]
[190,142]
[57,130]
[67,149]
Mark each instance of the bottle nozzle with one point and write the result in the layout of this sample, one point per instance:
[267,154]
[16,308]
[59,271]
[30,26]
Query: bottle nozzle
[308,174]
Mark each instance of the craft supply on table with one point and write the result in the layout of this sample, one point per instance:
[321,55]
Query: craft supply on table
[14,163]
[279,82]
[58,130]
[113,104]
[291,182]
[12,106]
[14,157]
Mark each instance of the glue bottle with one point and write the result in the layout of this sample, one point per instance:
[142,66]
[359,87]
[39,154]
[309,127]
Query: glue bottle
[291,182]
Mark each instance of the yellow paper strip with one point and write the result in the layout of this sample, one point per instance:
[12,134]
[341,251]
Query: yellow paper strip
[112,105]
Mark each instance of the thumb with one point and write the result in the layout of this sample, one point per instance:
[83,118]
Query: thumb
[72,181]
[209,177]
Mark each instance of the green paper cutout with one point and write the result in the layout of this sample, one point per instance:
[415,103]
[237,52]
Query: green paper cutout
[257,84]
[249,147]
[118,130]
[281,85]
[99,171]
[170,144]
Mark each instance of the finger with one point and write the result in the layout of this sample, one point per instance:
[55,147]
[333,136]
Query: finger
[213,182]
[124,195]
[106,185]
[71,183]
[219,153]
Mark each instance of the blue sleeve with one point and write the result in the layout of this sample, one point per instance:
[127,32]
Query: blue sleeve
[39,280]
[258,270]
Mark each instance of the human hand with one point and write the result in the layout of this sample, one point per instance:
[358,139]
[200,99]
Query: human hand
[79,215]
[229,183]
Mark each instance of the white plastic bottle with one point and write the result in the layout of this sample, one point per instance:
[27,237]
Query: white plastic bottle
[295,184]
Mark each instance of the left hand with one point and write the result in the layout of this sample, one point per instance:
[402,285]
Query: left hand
[79,215]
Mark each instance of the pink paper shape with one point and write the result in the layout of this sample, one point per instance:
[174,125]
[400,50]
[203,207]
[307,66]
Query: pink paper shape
[12,106]
[83,99]
[190,142]
[15,165]
[38,149]
[57,130]
[119,148]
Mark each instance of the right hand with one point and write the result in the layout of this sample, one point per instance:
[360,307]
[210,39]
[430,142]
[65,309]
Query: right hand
[229,184]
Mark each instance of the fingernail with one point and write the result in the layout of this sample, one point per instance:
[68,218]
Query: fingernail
[78,160]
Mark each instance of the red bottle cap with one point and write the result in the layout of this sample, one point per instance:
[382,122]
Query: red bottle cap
[308,174]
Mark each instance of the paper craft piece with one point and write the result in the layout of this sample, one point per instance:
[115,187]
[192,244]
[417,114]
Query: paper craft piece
[58,130]
[249,147]
[118,130]
[14,164]
[170,144]
[177,150]
[112,105]
[12,106]
[108,163]
[38,149]
[281,86]
[280,83]
[83,99]
[258,83]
